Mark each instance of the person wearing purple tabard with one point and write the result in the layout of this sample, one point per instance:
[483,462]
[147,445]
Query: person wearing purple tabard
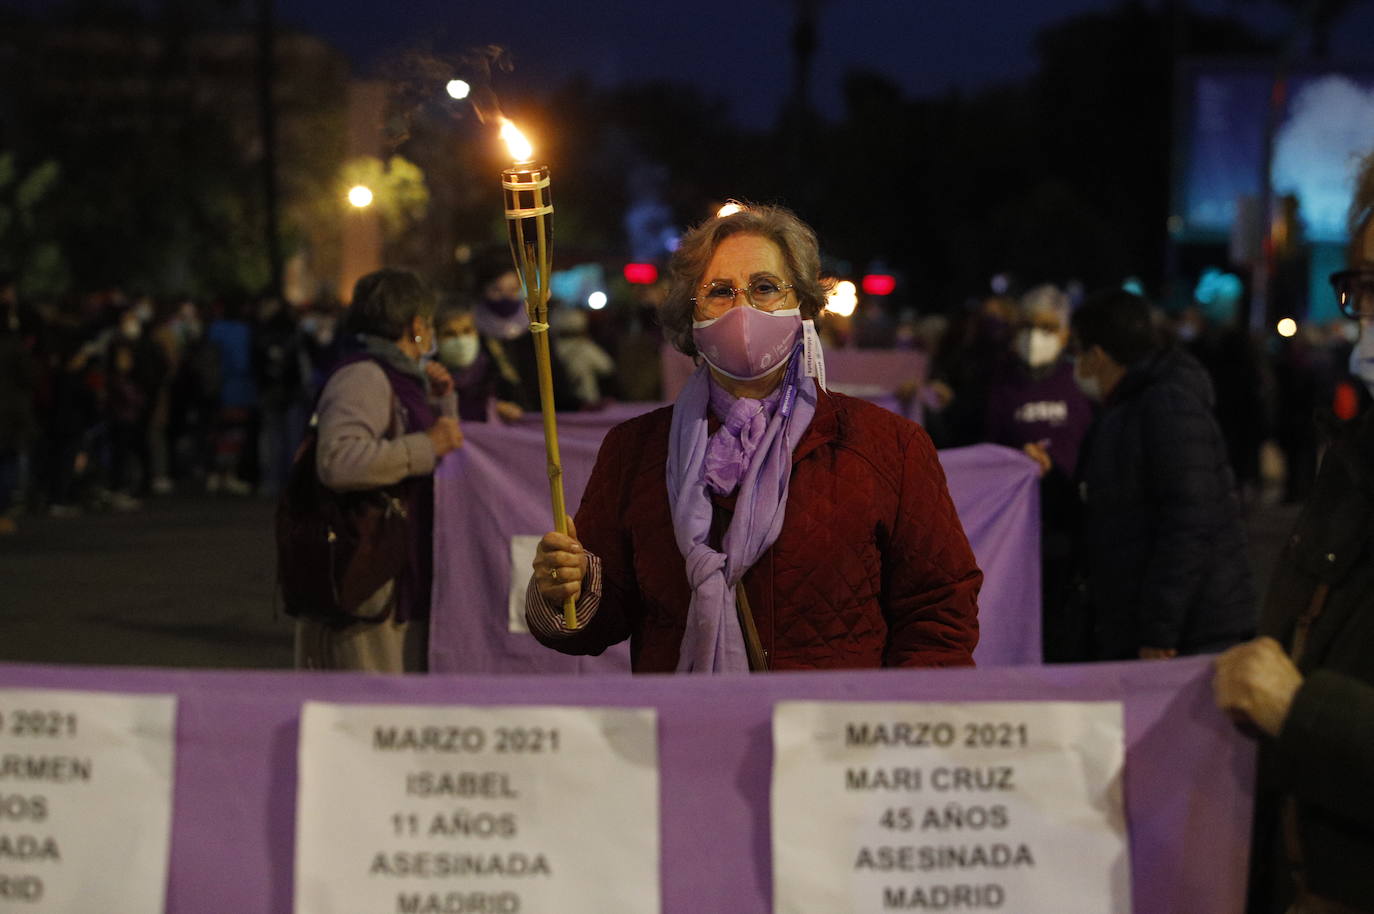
[508,346]
[1035,406]
[384,416]
[475,379]
[762,522]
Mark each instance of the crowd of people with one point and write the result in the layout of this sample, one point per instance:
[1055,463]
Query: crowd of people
[795,528]
[764,522]
[111,398]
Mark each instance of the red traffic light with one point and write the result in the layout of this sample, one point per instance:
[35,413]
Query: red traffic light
[879,284]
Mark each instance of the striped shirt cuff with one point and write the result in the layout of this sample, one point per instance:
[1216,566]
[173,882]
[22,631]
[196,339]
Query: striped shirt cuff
[546,621]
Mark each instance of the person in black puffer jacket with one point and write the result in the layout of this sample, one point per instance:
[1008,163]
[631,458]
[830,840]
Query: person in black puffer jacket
[1162,560]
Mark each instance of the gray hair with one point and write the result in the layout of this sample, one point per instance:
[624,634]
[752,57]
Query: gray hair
[1046,299]
[800,253]
[386,301]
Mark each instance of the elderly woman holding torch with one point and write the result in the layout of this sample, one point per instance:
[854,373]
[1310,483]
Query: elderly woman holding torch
[761,522]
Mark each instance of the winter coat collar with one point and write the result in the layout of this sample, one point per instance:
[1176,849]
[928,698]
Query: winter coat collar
[1171,365]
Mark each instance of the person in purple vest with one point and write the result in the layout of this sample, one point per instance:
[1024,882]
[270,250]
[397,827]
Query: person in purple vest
[1035,406]
[504,327]
[1033,403]
[475,379]
[385,414]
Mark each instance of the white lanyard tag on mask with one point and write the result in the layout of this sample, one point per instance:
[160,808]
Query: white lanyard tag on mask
[813,359]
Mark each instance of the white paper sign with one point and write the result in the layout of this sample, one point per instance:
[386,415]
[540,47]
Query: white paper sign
[522,549]
[85,800]
[972,806]
[408,809]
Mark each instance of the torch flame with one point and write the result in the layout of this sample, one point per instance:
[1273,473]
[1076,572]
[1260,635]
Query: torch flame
[520,148]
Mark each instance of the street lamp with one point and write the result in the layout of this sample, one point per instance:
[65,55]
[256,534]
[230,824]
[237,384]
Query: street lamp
[457,89]
[842,299]
[360,196]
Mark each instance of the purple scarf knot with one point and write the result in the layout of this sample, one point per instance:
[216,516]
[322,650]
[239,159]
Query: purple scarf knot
[731,449]
[713,641]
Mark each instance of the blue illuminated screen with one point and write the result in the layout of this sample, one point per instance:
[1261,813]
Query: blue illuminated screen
[1325,123]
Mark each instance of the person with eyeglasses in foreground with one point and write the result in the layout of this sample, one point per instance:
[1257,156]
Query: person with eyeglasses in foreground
[761,522]
[1305,687]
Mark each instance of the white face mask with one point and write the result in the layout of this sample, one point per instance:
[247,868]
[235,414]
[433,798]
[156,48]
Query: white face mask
[459,351]
[1038,347]
[1089,385]
[1362,356]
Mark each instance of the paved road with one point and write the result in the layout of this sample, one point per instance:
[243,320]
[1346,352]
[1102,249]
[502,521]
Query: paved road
[188,583]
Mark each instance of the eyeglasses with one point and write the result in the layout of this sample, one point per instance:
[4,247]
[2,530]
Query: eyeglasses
[1354,292]
[764,293]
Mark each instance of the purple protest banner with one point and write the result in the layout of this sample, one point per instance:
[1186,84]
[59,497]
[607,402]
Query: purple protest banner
[494,488]
[1188,773]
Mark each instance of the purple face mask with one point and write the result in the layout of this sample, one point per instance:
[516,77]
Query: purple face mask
[746,343]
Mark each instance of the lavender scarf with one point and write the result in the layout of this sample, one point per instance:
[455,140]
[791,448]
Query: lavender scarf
[714,641]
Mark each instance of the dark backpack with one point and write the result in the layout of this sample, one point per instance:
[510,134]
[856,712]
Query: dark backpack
[337,549]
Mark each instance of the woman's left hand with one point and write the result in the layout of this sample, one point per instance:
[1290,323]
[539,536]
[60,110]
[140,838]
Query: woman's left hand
[440,381]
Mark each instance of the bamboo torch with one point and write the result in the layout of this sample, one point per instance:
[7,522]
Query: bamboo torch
[529,223]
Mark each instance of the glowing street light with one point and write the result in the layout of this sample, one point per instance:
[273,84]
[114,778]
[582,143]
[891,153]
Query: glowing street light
[843,299]
[1287,327]
[457,89]
[360,196]
[596,301]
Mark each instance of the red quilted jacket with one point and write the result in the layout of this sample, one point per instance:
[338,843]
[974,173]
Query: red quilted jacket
[871,569]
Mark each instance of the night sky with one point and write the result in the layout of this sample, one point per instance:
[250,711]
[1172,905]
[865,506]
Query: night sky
[741,49]
[736,49]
